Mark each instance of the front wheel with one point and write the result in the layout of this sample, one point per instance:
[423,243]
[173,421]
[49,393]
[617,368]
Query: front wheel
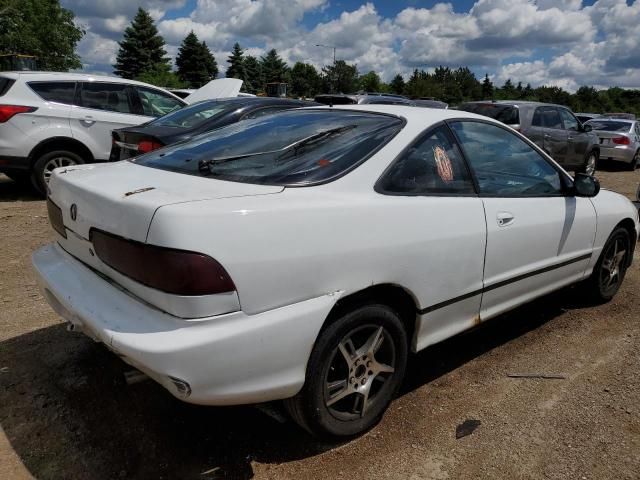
[354,371]
[609,272]
[48,162]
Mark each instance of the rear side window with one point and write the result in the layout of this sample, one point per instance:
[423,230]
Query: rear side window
[295,147]
[112,97]
[432,165]
[507,114]
[5,85]
[59,92]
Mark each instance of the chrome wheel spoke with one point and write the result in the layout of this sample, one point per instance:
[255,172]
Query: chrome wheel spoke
[373,343]
[347,350]
[365,402]
[339,396]
[383,368]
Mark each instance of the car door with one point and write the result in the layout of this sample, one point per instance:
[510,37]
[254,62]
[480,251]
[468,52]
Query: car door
[539,237]
[431,204]
[577,139]
[101,107]
[555,138]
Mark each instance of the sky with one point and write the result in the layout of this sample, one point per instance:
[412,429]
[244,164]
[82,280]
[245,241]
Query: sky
[567,43]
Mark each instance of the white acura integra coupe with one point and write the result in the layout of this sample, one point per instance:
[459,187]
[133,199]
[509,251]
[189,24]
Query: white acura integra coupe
[302,255]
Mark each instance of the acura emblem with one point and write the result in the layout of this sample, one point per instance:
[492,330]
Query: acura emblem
[74,212]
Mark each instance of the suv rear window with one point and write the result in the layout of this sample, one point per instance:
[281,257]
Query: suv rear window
[295,147]
[5,85]
[507,114]
[59,92]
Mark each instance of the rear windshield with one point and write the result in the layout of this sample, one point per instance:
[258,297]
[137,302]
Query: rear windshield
[5,85]
[296,147]
[504,113]
[610,126]
[193,115]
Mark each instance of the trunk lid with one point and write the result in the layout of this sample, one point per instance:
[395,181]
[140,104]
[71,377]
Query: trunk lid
[121,198]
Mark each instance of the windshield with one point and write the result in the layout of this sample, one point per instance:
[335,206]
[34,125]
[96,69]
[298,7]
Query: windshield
[193,115]
[296,147]
[504,113]
[610,126]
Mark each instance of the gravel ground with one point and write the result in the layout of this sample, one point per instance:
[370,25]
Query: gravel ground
[66,412]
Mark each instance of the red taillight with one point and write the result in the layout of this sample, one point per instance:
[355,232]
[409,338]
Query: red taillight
[621,140]
[145,146]
[173,271]
[8,111]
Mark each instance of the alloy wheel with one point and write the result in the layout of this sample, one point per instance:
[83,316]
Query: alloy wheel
[612,269]
[590,167]
[54,163]
[360,367]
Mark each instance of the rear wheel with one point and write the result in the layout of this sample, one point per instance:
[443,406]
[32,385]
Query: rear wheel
[590,164]
[45,165]
[354,371]
[635,162]
[611,267]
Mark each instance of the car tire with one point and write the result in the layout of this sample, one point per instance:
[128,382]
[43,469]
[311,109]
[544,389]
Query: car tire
[354,371]
[634,162]
[609,271]
[46,163]
[590,163]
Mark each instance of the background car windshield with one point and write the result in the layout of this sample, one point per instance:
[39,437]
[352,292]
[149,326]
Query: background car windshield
[349,139]
[609,126]
[192,116]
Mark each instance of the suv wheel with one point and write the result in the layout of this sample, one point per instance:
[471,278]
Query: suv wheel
[590,164]
[354,371]
[45,165]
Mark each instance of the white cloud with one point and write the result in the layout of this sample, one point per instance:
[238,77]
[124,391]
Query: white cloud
[597,44]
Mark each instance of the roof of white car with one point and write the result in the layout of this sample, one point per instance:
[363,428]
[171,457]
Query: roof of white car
[88,77]
[427,116]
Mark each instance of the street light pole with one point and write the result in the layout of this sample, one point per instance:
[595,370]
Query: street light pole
[334,61]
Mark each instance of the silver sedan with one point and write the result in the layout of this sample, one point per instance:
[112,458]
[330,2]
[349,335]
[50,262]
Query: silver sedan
[619,140]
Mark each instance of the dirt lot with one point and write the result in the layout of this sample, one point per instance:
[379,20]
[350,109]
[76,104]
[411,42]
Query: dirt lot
[66,412]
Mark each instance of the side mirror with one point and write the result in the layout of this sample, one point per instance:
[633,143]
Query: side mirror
[587,128]
[585,185]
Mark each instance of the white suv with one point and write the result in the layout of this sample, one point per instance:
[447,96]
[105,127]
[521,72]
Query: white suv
[49,120]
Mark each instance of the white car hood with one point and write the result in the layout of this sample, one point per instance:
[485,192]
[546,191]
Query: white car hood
[219,88]
[121,198]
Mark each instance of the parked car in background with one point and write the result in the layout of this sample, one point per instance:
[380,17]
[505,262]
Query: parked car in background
[302,255]
[430,103]
[363,99]
[619,140]
[193,120]
[50,120]
[624,116]
[585,117]
[553,128]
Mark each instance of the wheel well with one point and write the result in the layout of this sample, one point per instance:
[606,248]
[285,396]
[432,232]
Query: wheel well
[391,295]
[60,143]
[630,227]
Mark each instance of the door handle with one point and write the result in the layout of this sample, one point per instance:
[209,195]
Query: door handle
[504,219]
[569,138]
[88,120]
[547,136]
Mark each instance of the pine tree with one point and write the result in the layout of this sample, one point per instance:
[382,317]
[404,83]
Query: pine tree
[196,65]
[487,88]
[274,69]
[305,80]
[397,84]
[236,63]
[253,73]
[142,49]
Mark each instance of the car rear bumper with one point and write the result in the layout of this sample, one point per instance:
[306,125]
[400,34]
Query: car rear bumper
[620,154]
[224,360]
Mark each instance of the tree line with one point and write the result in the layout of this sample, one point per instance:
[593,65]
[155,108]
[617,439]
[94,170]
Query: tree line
[44,29]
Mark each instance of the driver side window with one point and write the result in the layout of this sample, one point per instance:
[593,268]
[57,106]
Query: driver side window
[570,122]
[156,103]
[504,164]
